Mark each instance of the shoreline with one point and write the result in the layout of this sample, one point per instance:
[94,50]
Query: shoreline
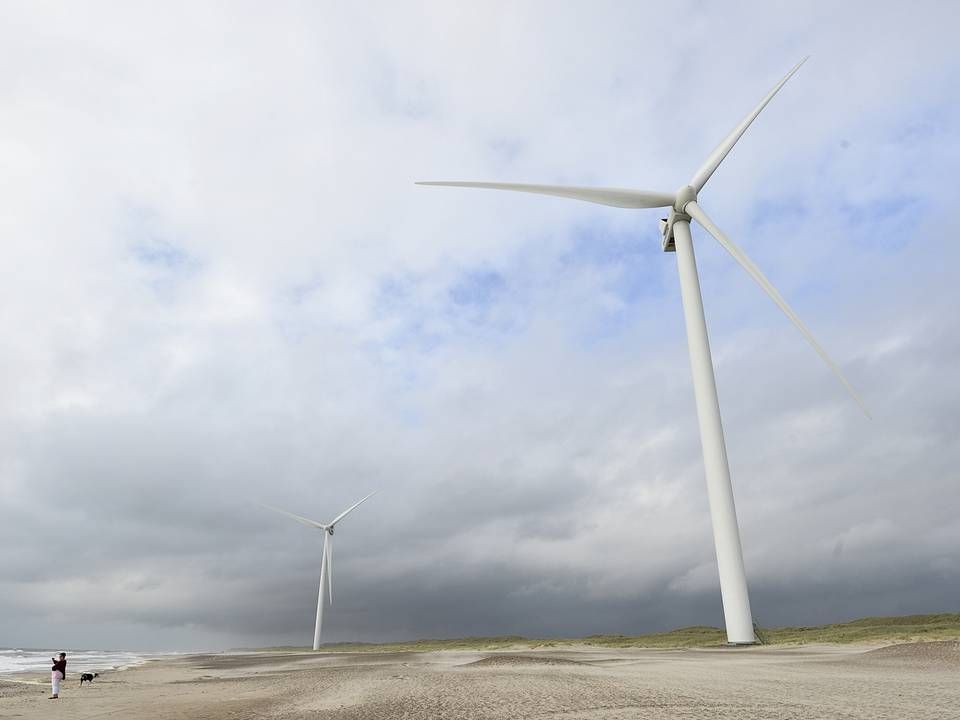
[33,677]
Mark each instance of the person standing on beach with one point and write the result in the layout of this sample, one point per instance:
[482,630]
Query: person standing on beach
[57,673]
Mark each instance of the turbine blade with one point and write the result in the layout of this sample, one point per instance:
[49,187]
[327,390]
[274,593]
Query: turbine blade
[329,549]
[717,156]
[615,197]
[697,213]
[323,578]
[324,566]
[342,515]
[305,521]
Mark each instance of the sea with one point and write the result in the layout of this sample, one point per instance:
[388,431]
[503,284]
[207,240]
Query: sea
[16,660]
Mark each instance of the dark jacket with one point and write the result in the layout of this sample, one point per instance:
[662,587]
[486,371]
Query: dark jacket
[60,665]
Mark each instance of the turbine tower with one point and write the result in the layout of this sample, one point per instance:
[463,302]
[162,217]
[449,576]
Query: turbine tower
[676,237]
[326,562]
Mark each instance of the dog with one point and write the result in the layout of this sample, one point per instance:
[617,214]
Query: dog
[87,677]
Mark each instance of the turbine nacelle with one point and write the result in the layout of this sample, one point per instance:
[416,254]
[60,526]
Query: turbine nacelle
[683,196]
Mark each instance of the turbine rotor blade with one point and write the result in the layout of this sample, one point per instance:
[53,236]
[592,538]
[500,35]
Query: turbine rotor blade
[298,518]
[717,156]
[323,578]
[328,546]
[614,197]
[697,213]
[342,515]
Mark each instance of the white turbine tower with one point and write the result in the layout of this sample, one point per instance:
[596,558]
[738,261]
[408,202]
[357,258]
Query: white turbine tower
[326,562]
[676,237]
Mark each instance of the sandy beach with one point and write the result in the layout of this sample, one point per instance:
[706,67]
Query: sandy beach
[910,680]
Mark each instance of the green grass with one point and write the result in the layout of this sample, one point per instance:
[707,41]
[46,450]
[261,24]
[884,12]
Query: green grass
[906,628]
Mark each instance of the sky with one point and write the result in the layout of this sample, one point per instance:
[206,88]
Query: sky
[222,288]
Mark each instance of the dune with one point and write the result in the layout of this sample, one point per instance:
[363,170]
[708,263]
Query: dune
[508,660]
[940,654]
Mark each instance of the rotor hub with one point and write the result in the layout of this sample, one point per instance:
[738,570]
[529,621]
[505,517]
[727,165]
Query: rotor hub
[684,195]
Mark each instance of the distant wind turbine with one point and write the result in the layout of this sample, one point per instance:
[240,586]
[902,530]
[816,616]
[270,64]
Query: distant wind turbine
[675,231]
[326,563]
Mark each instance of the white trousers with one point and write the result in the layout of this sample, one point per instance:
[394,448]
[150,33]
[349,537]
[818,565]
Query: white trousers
[55,677]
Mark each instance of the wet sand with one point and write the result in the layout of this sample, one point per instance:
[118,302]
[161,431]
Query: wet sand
[916,681]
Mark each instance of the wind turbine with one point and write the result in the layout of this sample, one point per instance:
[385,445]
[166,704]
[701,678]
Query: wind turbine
[676,237]
[326,563]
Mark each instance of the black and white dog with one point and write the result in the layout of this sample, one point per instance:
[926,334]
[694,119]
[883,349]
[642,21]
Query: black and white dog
[87,677]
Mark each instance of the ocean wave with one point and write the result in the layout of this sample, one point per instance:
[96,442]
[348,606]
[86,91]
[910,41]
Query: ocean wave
[15,660]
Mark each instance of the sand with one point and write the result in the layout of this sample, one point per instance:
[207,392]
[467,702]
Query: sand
[920,680]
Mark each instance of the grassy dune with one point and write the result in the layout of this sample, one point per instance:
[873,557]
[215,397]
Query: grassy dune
[942,626]
[906,628]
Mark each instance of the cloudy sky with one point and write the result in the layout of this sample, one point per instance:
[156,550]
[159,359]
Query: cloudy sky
[221,287]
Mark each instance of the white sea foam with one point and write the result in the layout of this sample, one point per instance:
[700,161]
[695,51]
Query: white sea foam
[16,660]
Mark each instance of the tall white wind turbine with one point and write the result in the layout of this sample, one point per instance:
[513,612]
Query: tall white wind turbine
[675,230]
[326,562]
